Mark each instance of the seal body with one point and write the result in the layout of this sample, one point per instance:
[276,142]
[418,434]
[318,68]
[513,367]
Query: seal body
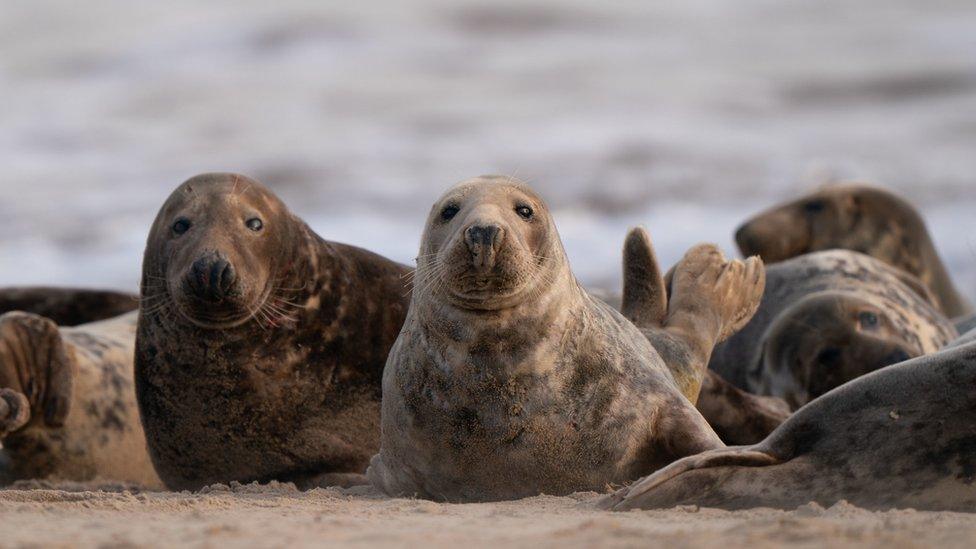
[855,217]
[901,437]
[68,306]
[79,419]
[509,380]
[827,318]
[260,346]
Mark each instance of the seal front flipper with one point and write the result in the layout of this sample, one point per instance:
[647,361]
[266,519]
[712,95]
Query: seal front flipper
[668,486]
[35,362]
[645,299]
[710,298]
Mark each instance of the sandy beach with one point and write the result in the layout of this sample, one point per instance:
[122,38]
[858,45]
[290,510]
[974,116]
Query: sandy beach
[280,516]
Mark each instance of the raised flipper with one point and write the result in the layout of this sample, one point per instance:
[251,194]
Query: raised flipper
[643,493]
[645,299]
[711,298]
[68,306]
[36,365]
[739,417]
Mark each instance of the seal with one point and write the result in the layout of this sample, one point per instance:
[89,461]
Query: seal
[854,217]
[510,380]
[736,416]
[68,306]
[827,318]
[260,347]
[901,437]
[67,404]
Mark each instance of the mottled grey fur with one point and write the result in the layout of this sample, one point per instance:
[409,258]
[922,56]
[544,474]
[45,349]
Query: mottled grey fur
[79,418]
[807,337]
[510,380]
[901,437]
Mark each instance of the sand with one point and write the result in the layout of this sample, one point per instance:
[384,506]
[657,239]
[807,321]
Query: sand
[280,515]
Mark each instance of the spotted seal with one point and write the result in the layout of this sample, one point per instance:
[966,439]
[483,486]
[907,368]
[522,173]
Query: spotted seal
[826,318]
[68,403]
[856,217]
[260,346]
[901,437]
[510,380]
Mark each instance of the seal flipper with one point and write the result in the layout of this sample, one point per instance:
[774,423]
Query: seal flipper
[642,494]
[709,299]
[35,362]
[14,411]
[645,299]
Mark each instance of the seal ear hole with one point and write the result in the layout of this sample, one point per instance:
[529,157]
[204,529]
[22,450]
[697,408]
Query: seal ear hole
[181,226]
[449,212]
[255,224]
[525,212]
[868,320]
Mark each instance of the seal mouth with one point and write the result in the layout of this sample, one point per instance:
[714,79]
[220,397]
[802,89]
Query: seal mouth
[237,313]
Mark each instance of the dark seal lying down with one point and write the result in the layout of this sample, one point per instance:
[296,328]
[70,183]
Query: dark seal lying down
[260,346]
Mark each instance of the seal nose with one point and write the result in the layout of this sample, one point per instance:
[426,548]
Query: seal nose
[746,240]
[483,242]
[212,277]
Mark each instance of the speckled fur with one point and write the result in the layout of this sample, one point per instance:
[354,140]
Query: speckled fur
[293,391]
[535,388]
[68,306]
[811,307]
[94,432]
[860,218]
[901,437]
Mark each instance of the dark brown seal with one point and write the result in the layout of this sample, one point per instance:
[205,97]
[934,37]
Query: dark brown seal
[68,306]
[854,217]
[827,318]
[510,380]
[901,437]
[67,404]
[260,347]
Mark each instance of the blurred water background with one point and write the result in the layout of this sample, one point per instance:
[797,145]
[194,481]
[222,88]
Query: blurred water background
[684,116]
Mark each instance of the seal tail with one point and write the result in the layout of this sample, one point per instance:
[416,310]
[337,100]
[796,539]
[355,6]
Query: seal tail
[645,299]
[36,373]
[656,491]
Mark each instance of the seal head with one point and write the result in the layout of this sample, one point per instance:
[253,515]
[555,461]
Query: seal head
[856,217]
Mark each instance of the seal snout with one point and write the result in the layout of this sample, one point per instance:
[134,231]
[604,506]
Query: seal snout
[212,277]
[484,240]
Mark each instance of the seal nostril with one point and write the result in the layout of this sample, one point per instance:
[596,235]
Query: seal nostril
[482,235]
[227,278]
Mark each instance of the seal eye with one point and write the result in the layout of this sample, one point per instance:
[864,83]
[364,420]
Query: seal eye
[524,212]
[254,224]
[181,226]
[449,212]
[868,320]
[816,206]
